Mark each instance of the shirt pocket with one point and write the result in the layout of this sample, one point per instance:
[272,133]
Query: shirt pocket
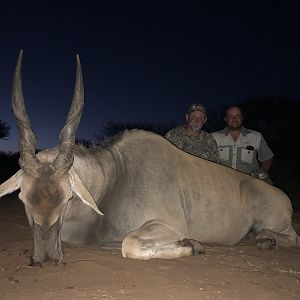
[247,156]
[224,153]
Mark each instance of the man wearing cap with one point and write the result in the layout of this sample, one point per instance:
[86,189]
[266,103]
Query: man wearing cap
[191,138]
[241,148]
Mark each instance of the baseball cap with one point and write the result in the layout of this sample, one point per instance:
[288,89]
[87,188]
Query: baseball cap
[196,107]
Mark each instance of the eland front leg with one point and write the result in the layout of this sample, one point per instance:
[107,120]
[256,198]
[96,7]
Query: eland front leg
[156,239]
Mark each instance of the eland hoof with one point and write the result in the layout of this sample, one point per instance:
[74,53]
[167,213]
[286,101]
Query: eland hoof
[265,244]
[195,245]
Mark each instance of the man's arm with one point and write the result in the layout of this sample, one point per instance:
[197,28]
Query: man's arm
[175,138]
[265,155]
[213,149]
[266,165]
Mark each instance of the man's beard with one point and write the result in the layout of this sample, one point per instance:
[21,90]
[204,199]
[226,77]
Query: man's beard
[195,128]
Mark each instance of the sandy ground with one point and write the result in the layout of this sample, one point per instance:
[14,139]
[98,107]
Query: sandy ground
[232,272]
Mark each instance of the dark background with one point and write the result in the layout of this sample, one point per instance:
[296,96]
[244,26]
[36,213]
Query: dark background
[144,62]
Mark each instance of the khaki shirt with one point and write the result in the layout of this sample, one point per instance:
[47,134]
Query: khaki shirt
[203,146]
[245,153]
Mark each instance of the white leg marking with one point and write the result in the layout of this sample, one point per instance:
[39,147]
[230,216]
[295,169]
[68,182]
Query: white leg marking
[154,240]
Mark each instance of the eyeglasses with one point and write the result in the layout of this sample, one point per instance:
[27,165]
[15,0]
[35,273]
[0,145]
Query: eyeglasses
[238,117]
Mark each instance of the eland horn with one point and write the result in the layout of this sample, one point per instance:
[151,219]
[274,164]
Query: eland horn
[65,156]
[28,161]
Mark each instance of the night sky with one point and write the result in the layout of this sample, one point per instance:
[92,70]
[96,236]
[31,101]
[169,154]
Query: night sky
[144,62]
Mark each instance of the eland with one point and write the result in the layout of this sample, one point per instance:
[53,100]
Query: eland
[137,191]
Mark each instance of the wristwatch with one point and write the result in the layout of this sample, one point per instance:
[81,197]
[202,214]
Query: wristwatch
[262,175]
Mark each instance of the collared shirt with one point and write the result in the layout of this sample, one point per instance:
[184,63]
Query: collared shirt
[245,153]
[203,146]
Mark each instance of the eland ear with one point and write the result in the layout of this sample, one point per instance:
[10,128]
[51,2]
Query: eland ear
[11,184]
[81,191]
